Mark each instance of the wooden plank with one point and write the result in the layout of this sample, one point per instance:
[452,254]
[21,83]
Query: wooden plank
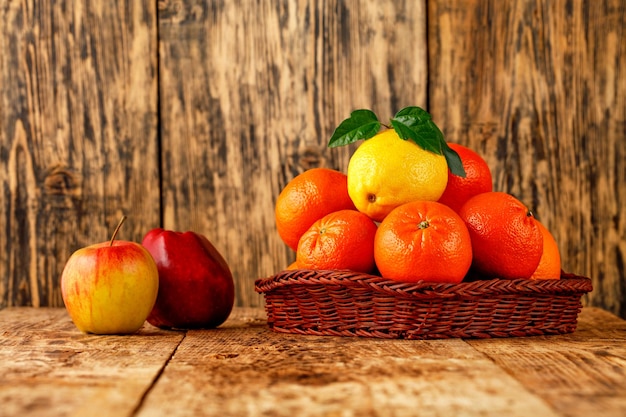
[243,368]
[250,94]
[49,368]
[578,374]
[536,88]
[78,135]
[593,321]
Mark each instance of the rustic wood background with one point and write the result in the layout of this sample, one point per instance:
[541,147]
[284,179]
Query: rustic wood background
[193,114]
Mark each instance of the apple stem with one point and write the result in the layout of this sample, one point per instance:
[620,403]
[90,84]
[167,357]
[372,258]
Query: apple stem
[117,229]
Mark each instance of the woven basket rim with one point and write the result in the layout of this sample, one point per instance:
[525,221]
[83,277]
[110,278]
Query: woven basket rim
[568,284]
[348,303]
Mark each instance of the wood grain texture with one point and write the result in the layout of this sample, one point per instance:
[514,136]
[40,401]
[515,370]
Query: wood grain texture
[242,368]
[250,371]
[193,114]
[577,374]
[250,95]
[538,89]
[49,368]
[78,135]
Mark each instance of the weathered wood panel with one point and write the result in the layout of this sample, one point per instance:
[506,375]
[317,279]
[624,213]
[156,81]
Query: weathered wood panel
[78,135]
[250,94]
[249,370]
[538,89]
[572,372]
[49,368]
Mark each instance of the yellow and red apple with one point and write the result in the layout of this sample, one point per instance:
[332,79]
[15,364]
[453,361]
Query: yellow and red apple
[110,287]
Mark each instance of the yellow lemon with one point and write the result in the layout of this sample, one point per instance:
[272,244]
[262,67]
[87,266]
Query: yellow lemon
[386,171]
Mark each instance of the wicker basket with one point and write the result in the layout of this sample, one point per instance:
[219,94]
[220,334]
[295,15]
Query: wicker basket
[346,303]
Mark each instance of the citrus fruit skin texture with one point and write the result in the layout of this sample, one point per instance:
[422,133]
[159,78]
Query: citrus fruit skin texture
[340,240]
[506,241]
[307,198]
[423,240]
[550,263]
[478,179]
[386,171]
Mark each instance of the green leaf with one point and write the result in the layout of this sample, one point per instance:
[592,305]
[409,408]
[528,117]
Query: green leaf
[416,124]
[362,124]
[455,165]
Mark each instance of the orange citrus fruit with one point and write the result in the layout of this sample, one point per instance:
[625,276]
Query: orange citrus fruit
[550,263]
[477,179]
[506,241]
[307,198]
[386,171]
[292,266]
[423,240]
[340,240]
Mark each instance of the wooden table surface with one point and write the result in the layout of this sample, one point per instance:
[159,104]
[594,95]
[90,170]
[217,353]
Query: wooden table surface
[49,368]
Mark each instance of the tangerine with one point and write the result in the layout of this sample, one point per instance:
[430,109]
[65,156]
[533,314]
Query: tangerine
[506,241]
[307,198]
[423,240]
[340,240]
[477,179]
[550,263]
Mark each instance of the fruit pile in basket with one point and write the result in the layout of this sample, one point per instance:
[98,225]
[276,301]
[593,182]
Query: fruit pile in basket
[411,207]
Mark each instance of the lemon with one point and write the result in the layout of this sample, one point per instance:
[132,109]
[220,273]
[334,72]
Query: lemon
[386,171]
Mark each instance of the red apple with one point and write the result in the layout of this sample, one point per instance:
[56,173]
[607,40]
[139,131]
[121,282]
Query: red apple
[196,288]
[110,287]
